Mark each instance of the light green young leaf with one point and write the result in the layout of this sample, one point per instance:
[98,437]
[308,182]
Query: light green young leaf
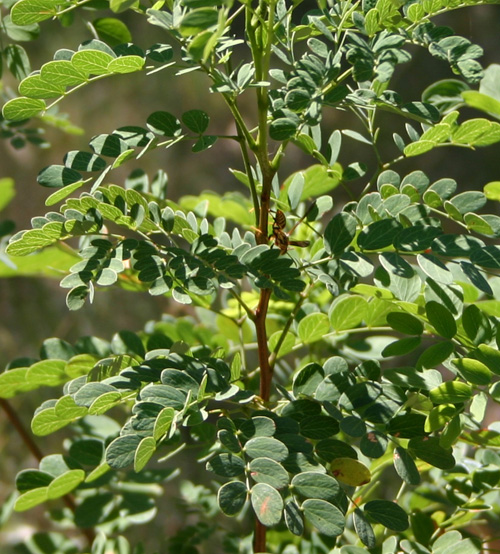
[126,64]
[35,86]
[27,12]
[144,452]
[22,108]
[65,483]
[313,327]
[92,62]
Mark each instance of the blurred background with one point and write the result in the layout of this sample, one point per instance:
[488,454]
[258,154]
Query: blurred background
[33,309]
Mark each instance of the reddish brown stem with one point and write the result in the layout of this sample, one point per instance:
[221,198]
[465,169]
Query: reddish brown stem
[259,539]
[266,373]
[37,453]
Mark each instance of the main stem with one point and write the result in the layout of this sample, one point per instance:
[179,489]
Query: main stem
[260,43]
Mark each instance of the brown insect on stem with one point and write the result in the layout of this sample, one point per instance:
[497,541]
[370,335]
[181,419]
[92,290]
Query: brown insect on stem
[281,238]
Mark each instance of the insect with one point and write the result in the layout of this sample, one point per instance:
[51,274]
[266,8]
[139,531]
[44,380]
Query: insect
[281,238]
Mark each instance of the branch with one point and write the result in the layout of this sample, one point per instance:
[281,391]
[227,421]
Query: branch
[37,453]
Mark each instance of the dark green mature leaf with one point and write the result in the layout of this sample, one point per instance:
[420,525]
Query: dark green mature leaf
[339,233]
[121,452]
[405,323]
[326,517]
[429,450]
[226,465]
[318,427]
[373,444]
[364,529]
[265,470]
[312,484]
[196,120]
[266,447]
[232,497]
[476,324]
[388,514]
[267,504]
[441,319]
[58,176]
[293,518]
[379,235]
[405,466]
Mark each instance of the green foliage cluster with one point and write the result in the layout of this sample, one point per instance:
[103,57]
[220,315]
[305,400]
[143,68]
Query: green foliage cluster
[330,378]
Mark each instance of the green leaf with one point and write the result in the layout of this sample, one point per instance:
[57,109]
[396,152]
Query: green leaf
[108,145]
[311,484]
[62,73]
[266,447]
[489,356]
[405,466]
[267,504]
[92,62]
[326,517]
[226,465]
[363,529]
[379,234]
[265,470]
[318,180]
[47,372]
[126,64]
[347,312]
[318,427]
[22,108]
[31,499]
[196,121]
[339,233]
[144,452]
[387,513]
[441,319]
[57,176]
[232,497]
[27,12]
[29,479]
[121,452]
[164,123]
[488,256]
[283,128]
[373,444]
[163,423]
[313,327]
[112,31]
[451,392]
[65,483]
[198,20]
[435,269]
[407,425]
[35,86]
[476,324]
[293,518]
[401,347]
[473,371]
[429,450]
[48,421]
[17,60]
[405,323]
[435,355]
